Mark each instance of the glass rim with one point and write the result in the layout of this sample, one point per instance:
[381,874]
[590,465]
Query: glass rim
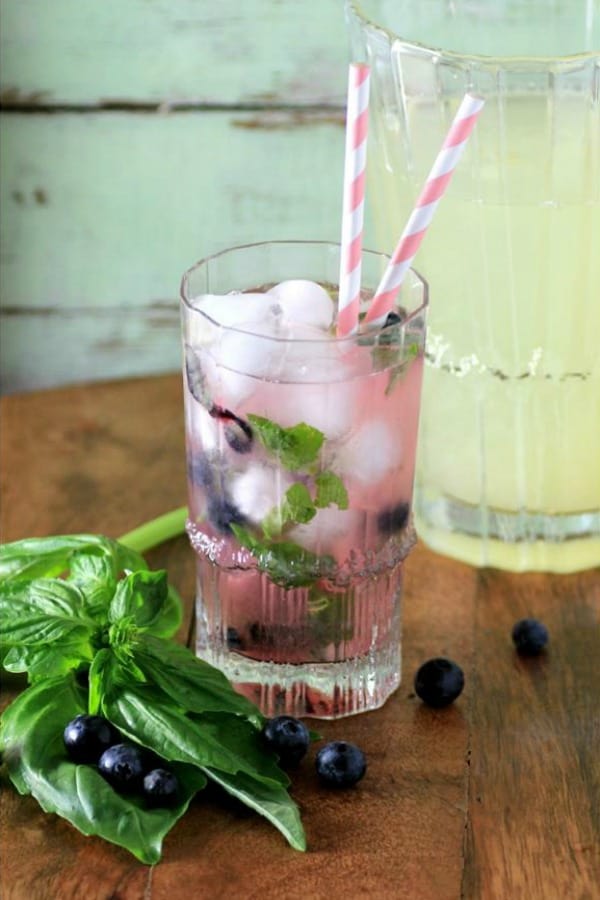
[349,339]
[355,8]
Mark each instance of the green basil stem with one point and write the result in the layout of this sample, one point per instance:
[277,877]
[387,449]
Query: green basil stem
[156,532]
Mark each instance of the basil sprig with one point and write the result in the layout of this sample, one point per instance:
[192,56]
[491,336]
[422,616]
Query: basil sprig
[108,620]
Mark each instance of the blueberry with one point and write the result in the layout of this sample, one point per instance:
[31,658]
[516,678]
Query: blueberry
[392,336]
[123,767]
[395,318]
[238,433]
[222,514]
[529,636]
[199,470]
[439,682]
[87,737]
[394,518]
[196,380]
[160,788]
[288,737]
[340,764]
[234,641]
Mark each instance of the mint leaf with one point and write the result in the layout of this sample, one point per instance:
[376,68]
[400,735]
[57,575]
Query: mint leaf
[297,507]
[330,617]
[32,742]
[286,563]
[297,504]
[330,489]
[294,447]
[398,372]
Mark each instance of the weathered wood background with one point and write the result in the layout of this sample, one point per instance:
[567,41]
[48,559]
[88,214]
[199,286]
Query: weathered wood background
[138,136]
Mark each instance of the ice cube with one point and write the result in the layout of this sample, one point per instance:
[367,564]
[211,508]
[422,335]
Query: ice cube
[231,309]
[258,489]
[369,453]
[313,384]
[243,355]
[328,407]
[203,428]
[310,354]
[327,527]
[304,301]
[227,310]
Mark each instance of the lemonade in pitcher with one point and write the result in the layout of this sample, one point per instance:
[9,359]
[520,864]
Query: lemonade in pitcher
[508,469]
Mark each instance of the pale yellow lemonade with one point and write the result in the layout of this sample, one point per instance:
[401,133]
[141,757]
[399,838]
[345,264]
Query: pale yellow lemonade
[509,440]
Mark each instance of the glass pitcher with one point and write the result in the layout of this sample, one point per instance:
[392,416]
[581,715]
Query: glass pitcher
[509,457]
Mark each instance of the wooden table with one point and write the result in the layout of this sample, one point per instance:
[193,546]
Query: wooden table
[495,797]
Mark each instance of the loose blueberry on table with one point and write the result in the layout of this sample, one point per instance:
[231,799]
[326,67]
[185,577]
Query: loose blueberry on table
[288,737]
[529,637]
[87,737]
[439,682]
[340,764]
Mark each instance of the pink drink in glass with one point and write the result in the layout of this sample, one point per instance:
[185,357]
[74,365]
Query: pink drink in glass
[301,450]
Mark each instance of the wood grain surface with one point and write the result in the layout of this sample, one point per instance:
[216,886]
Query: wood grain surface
[496,797]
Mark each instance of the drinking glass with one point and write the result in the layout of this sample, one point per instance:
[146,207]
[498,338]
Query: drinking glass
[300,453]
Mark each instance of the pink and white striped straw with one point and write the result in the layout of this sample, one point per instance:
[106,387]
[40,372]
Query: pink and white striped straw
[420,218]
[357,123]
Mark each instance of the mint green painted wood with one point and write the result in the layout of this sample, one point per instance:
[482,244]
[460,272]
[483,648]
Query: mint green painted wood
[102,212]
[206,51]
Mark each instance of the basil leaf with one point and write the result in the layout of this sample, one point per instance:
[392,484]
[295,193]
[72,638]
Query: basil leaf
[31,737]
[35,557]
[145,598]
[147,715]
[96,577]
[102,671]
[330,489]
[46,662]
[274,803]
[295,447]
[168,622]
[238,735]
[50,556]
[191,683]
[42,611]
[286,563]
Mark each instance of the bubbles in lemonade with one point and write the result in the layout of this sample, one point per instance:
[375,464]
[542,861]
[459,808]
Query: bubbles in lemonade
[301,452]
